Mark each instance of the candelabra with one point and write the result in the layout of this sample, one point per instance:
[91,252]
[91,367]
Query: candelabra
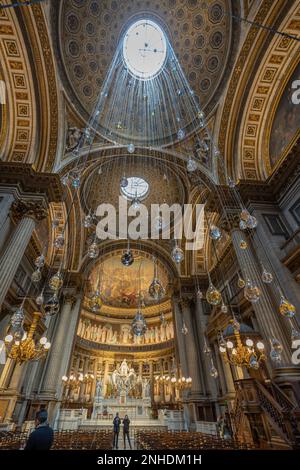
[22,346]
[181,383]
[249,355]
[74,381]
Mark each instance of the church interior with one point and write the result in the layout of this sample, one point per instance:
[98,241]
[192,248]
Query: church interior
[150,222]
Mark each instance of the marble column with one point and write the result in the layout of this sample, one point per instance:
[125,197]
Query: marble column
[151,381]
[5,206]
[83,387]
[12,255]
[265,311]
[105,377]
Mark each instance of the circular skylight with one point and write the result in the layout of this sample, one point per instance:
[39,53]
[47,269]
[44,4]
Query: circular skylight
[136,188]
[144,49]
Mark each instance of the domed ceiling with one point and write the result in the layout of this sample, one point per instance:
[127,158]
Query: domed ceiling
[90,30]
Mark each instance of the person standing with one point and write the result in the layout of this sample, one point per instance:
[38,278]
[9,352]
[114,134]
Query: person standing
[42,437]
[116,423]
[126,422]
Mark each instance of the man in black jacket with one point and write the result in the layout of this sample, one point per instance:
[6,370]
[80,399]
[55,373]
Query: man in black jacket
[42,437]
[116,423]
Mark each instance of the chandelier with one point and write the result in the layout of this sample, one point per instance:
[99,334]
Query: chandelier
[21,345]
[235,352]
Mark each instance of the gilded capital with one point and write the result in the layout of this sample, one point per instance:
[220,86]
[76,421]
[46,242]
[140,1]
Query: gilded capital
[31,209]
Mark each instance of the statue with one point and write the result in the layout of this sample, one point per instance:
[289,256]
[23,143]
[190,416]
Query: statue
[114,338]
[99,384]
[73,137]
[103,335]
[124,369]
[162,332]
[109,334]
[146,388]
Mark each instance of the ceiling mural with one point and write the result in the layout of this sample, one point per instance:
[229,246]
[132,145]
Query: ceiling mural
[120,285]
[89,31]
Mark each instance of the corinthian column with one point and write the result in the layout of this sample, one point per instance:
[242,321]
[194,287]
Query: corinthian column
[29,213]
[268,318]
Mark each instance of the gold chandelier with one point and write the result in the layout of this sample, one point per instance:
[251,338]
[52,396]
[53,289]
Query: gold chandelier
[234,352]
[21,345]
[181,383]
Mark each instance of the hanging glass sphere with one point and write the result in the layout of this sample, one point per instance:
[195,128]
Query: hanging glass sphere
[266,276]
[40,261]
[52,306]
[275,356]
[243,245]
[213,296]
[36,275]
[251,292]
[55,223]
[76,182]
[252,222]
[127,258]
[139,325]
[65,180]
[56,281]
[231,183]
[59,241]
[206,349]
[180,134]
[223,343]
[243,225]
[199,294]
[215,232]
[241,283]
[93,251]
[131,148]
[213,372]
[135,203]
[276,345]
[88,221]
[177,255]
[17,318]
[244,215]
[184,329]
[191,165]
[286,309]
[124,182]
[224,308]
[156,290]
[95,302]
[40,299]
[253,363]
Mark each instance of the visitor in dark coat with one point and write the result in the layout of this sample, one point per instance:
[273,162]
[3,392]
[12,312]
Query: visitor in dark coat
[42,437]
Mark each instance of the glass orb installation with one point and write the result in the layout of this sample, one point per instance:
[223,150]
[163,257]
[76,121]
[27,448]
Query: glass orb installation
[276,345]
[252,222]
[130,148]
[215,233]
[65,180]
[243,225]
[136,203]
[177,255]
[56,281]
[52,306]
[266,276]
[184,329]
[93,251]
[244,215]
[231,183]
[241,283]
[127,258]
[224,308]
[39,261]
[199,294]
[36,276]
[251,292]
[213,372]
[180,134]
[243,245]
[206,349]
[40,299]
[76,182]
[191,165]
[59,241]
[123,182]
[139,325]
[213,296]
[156,290]
[286,309]
[88,221]
[17,318]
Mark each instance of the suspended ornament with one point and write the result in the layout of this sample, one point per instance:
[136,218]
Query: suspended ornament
[17,318]
[139,325]
[51,307]
[95,302]
[184,329]
[40,261]
[56,281]
[55,223]
[244,215]
[222,343]
[40,299]
[243,245]
[130,148]
[286,309]
[241,283]
[215,232]
[191,165]
[76,182]
[36,276]
[156,289]
[243,225]
[252,222]
[180,134]
[276,345]
[200,115]
[135,203]
[213,372]
[123,182]
[199,294]
[224,308]
[65,180]
[231,183]
[127,258]
[213,296]
[177,254]
[93,251]
[251,292]
[88,221]
[266,276]
[59,241]
[206,349]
